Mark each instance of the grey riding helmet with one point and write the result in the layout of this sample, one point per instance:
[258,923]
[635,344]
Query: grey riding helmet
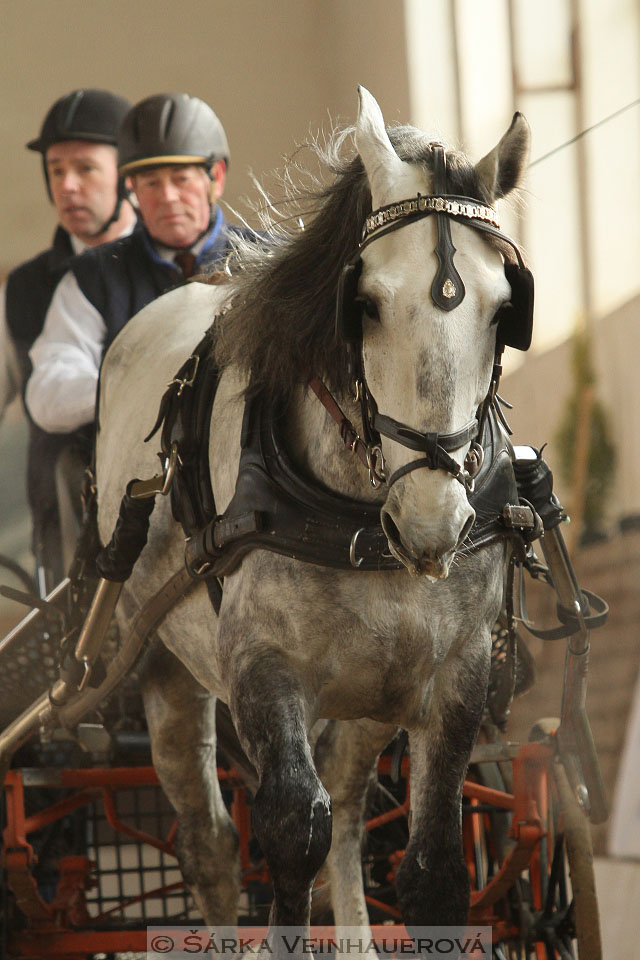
[170,128]
[92,115]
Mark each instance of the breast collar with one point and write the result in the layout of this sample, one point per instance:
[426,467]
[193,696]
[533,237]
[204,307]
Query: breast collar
[277,507]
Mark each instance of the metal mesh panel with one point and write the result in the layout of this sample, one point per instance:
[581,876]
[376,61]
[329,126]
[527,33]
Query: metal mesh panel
[27,669]
[126,869]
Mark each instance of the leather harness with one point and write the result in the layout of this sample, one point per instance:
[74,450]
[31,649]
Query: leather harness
[276,507]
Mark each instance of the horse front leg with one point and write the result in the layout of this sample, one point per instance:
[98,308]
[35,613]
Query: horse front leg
[291,813]
[346,757]
[181,719]
[432,881]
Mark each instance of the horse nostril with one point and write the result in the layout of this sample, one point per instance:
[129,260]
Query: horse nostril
[466,530]
[389,527]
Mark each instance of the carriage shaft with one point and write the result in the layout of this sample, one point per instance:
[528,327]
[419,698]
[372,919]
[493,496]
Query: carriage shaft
[575,738]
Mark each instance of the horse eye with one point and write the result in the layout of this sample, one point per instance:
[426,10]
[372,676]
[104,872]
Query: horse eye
[370,308]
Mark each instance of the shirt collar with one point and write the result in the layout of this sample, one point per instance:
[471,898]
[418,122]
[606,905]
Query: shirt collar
[79,246]
[200,248]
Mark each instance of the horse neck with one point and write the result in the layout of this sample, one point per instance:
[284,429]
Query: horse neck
[314,443]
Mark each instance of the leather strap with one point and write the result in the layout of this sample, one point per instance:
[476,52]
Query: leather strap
[436,460]
[435,445]
[447,289]
[348,432]
[569,622]
[415,440]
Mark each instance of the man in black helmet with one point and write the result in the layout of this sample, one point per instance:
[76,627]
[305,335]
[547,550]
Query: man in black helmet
[173,152]
[79,157]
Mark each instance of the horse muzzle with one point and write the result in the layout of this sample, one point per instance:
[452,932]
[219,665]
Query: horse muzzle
[431,562]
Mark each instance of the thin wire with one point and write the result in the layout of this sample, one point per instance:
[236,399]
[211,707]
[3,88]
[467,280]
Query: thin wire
[612,116]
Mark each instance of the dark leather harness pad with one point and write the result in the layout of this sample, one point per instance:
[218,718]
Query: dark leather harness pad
[277,508]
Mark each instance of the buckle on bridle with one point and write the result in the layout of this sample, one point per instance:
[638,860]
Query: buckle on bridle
[474,460]
[376,465]
[472,464]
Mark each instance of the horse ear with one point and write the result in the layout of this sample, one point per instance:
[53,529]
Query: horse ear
[502,169]
[380,160]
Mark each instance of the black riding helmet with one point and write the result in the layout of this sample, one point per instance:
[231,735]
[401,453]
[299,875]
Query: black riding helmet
[170,128]
[91,115]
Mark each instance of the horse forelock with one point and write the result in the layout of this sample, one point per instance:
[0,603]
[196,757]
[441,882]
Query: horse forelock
[280,326]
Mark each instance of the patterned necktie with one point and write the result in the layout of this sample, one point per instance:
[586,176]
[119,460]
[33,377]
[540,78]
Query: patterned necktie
[186,261]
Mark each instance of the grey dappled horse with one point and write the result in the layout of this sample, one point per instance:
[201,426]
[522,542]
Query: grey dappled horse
[297,643]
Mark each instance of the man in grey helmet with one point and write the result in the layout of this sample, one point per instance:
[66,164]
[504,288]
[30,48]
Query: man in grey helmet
[77,143]
[173,154]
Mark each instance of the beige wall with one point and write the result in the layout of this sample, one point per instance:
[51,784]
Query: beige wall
[540,389]
[272,69]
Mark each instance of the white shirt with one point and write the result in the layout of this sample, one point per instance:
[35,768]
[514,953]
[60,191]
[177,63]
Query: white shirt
[10,372]
[61,392]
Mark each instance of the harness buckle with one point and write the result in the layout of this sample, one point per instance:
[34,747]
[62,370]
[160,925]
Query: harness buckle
[474,460]
[376,465]
[161,483]
[186,381]
[519,516]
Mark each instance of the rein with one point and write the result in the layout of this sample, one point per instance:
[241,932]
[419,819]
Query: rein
[369,456]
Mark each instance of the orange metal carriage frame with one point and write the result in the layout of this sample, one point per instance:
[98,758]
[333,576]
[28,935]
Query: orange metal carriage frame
[50,926]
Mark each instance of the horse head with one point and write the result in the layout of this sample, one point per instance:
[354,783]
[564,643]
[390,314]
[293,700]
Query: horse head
[429,295]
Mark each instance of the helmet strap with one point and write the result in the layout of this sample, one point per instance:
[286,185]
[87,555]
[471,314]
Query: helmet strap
[123,194]
[112,219]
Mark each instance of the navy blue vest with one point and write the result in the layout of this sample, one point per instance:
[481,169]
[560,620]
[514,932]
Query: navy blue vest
[122,277]
[30,288]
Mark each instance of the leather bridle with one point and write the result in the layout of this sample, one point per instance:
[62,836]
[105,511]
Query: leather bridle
[447,292]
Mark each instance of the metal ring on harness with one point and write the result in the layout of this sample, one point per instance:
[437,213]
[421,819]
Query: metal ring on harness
[170,465]
[376,464]
[352,549]
[161,483]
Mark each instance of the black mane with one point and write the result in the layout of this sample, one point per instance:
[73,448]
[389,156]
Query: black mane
[280,327]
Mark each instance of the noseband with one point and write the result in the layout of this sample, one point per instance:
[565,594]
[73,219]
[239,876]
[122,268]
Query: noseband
[514,326]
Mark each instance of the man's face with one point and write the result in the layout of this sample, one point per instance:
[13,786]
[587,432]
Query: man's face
[84,183]
[174,202]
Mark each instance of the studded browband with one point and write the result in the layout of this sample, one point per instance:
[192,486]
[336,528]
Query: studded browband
[447,290]
[417,207]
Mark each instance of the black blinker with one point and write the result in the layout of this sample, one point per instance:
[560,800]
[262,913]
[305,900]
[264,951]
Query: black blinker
[515,319]
[348,308]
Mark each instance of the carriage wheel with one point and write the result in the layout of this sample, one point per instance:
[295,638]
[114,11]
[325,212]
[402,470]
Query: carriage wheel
[553,904]
[486,844]
[563,891]
[576,839]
